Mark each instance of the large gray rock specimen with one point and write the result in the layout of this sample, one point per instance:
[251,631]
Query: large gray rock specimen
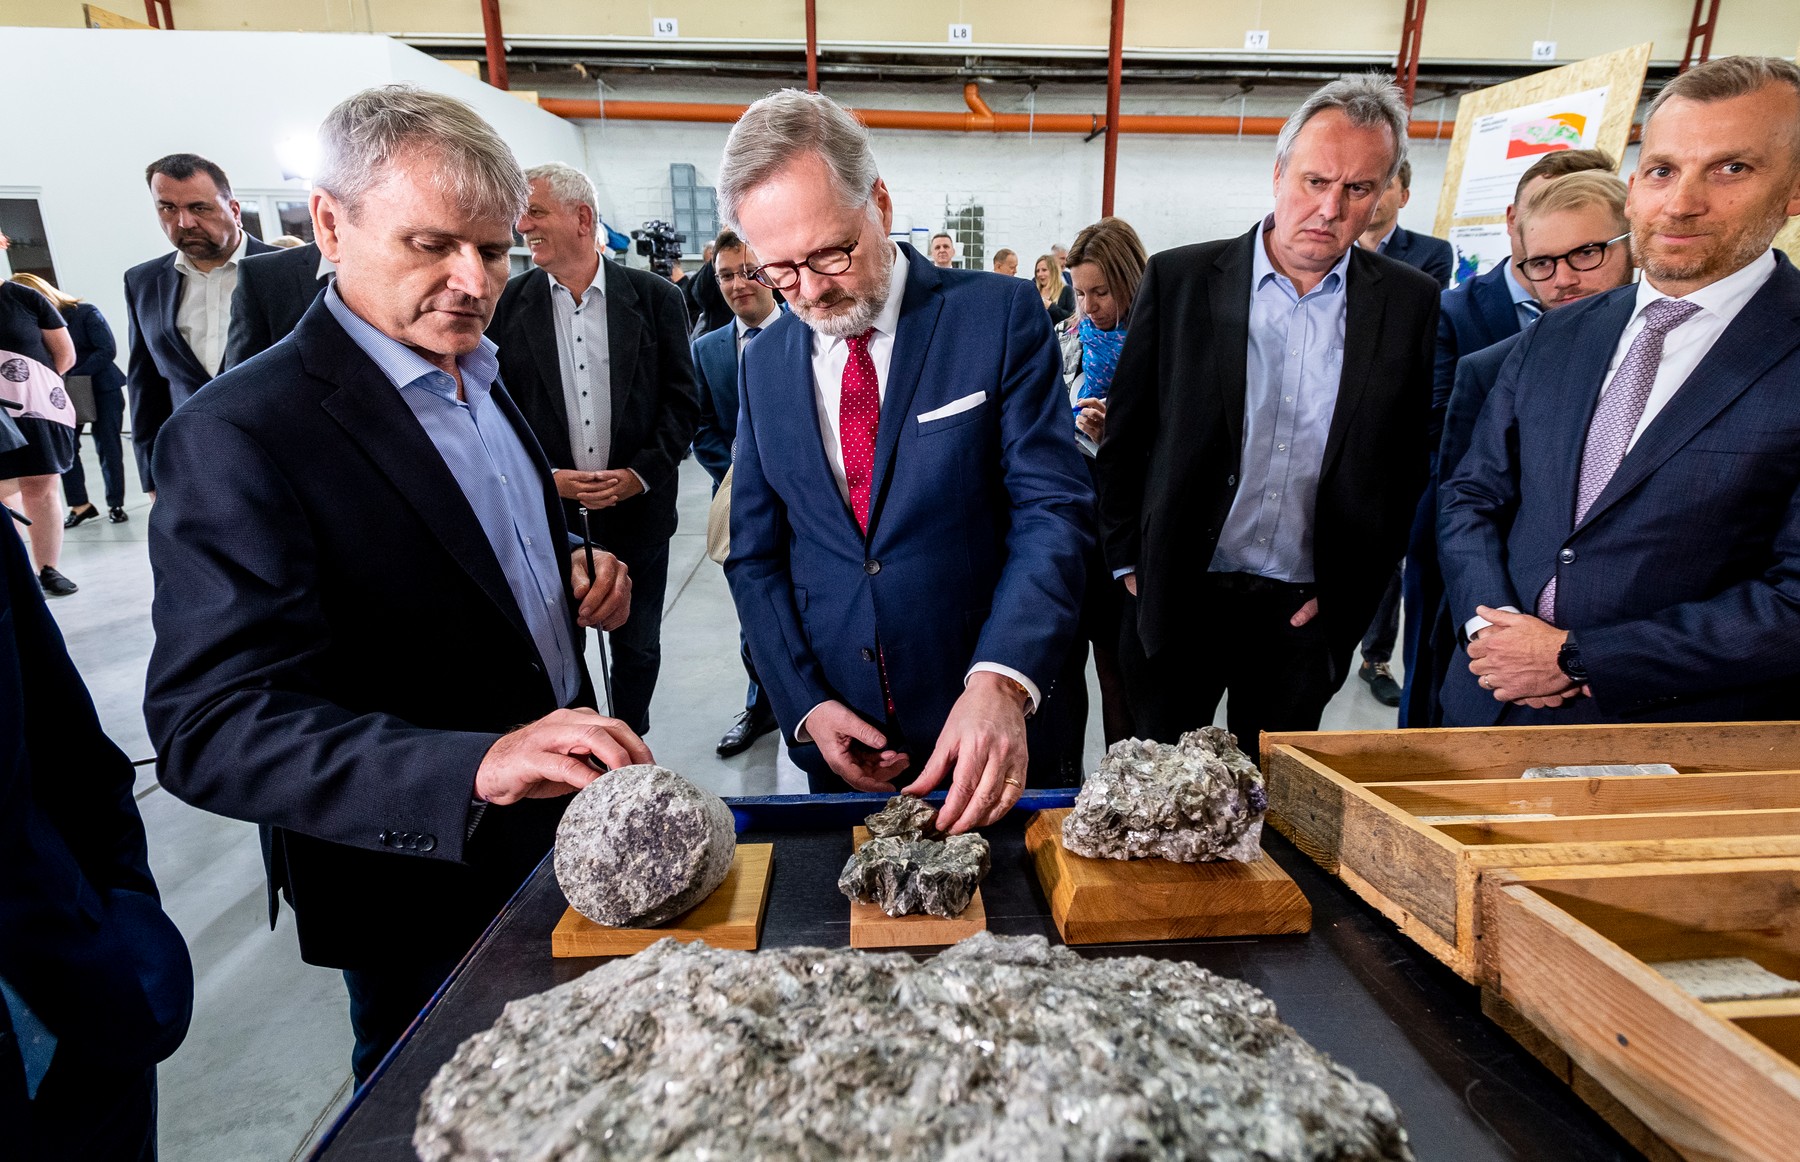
[906,875]
[641,845]
[1000,1048]
[1200,799]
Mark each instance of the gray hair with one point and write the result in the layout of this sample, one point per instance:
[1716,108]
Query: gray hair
[780,128]
[567,184]
[1369,100]
[361,138]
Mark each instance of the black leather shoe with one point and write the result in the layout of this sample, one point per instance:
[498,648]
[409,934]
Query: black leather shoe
[76,516]
[749,727]
[1381,683]
[55,584]
[116,516]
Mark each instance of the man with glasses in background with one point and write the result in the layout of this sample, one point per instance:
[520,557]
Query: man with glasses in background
[1621,542]
[716,354]
[910,588]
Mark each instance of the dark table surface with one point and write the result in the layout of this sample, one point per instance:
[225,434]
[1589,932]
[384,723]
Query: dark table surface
[1353,986]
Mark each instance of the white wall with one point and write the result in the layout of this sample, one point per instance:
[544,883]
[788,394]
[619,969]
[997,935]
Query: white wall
[1037,190]
[112,102]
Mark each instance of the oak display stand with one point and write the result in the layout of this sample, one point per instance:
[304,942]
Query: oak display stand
[1114,901]
[729,918]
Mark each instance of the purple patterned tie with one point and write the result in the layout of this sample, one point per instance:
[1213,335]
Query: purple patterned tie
[1617,415]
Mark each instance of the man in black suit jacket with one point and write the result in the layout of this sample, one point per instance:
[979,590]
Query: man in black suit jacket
[597,355]
[273,292]
[1620,541]
[179,305]
[1298,365]
[363,579]
[95,982]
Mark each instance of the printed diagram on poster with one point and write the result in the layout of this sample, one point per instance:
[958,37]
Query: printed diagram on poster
[1503,145]
[1479,249]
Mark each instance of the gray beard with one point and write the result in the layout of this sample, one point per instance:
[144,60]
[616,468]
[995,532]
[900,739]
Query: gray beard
[862,314]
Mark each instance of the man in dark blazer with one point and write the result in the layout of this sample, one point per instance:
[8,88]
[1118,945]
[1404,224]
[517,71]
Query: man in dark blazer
[95,982]
[1619,542]
[364,583]
[179,305]
[1266,438]
[597,356]
[753,309]
[909,513]
[273,292]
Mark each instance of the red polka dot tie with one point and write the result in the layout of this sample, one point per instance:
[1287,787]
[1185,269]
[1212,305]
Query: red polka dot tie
[859,415]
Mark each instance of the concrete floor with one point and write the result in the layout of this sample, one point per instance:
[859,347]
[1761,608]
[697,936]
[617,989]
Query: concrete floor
[266,1064]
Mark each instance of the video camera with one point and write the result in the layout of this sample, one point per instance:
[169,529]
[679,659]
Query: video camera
[659,242]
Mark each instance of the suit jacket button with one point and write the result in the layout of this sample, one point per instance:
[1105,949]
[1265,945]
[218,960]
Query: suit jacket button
[1231,481]
[871,567]
[1567,556]
[427,842]
[386,838]
[868,655]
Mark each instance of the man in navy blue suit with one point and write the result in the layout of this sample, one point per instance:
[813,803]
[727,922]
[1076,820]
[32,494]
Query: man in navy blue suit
[753,309]
[95,982]
[1622,540]
[909,512]
[364,582]
[179,305]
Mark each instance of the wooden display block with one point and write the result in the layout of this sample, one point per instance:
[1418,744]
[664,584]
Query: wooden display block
[870,927]
[729,918]
[1572,951]
[1412,819]
[1112,901]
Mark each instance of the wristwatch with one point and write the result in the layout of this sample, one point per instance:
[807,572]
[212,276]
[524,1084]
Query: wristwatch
[1568,659]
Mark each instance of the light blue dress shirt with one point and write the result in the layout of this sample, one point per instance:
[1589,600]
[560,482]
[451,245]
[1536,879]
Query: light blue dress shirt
[497,477]
[1294,364]
[1525,304]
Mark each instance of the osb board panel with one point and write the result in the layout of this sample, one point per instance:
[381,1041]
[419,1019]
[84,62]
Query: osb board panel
[870,927]
[1109,901]
[1789,239]
[1623,74]
[729,918]
[1499,752]
[1707,1088]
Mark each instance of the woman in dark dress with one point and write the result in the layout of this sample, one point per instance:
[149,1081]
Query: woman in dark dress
[31,327]
[1059,298]
[95,350]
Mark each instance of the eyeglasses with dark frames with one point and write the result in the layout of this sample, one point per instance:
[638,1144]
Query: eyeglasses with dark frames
[783,276]
[1585,257]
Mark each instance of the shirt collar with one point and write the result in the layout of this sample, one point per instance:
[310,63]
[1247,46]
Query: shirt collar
[186,266]
[405,367]
[1262,269]
[1725,297]
[597,285]
[774,313]
[1519,291]
[1381,247]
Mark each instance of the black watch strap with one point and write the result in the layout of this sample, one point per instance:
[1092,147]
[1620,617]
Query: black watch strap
[1568,659]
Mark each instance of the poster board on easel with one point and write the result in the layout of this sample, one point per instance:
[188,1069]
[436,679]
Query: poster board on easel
[1789,238]
[1501,131]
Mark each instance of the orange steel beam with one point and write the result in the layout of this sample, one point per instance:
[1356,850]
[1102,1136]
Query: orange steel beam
[812,46]
[1115,49]
[1406,64]
[1700,34]
[496,44]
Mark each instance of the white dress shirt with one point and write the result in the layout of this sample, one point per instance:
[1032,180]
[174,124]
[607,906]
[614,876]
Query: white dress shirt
[829,358]
[1683,348]
[585,357]
[203,312]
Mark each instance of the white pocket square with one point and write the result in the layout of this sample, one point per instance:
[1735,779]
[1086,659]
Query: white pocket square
[957,407]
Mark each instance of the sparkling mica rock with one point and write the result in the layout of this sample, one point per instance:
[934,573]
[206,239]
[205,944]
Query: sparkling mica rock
[903,815]
[1200,799]
[906,875]
[641,845]
[1000,1049]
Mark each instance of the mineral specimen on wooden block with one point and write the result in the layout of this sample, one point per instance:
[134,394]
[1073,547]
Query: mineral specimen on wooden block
[998,1048]
[903,815]
[1201,799]
[906,875]
[641,845]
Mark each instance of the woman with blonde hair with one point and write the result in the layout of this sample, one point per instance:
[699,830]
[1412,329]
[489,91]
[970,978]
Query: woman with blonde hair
[95,352]
[1059,300]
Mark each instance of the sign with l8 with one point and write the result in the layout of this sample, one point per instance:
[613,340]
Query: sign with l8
[962,34]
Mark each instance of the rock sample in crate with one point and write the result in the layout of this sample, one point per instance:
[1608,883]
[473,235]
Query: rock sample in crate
[1201,799]
[906,875]
[903,815]
[997,1048]
[641,845]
